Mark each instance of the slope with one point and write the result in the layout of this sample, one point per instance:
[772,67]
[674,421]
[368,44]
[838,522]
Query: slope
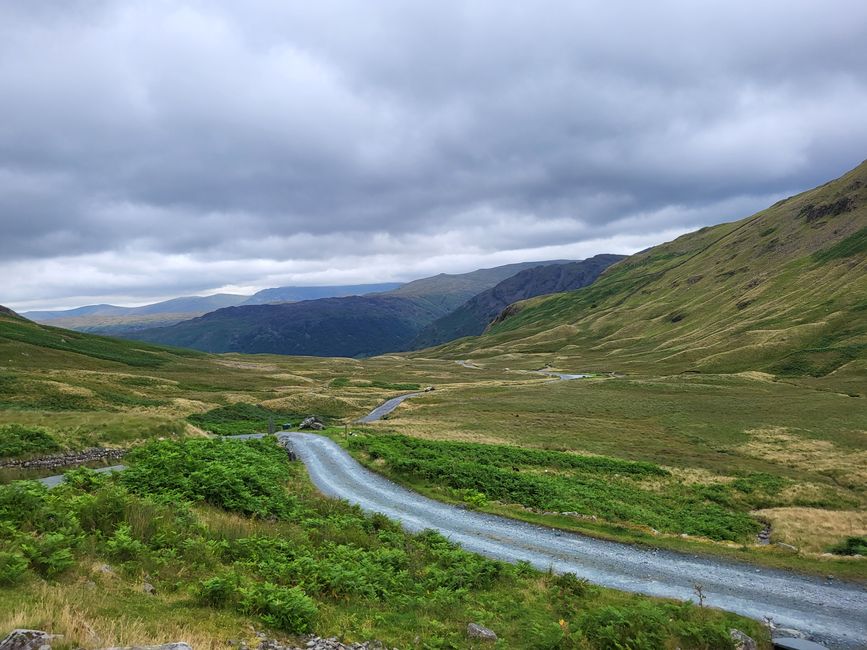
[445,291]
[473,316]
[784,291]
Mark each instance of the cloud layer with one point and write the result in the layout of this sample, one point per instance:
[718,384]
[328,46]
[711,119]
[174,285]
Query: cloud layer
[155,149]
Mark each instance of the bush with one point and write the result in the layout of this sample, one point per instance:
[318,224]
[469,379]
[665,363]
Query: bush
[50,555]
[18,440]
[12,567]
[123,546]
[638,627]
[851,546]
[219,591]
[244,476]
[286,608]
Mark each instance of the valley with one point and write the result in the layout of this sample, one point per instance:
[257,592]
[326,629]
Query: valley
[717,413]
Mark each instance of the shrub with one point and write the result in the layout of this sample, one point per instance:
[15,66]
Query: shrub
[123,546]
[50,555]
[286,608]
[244,476]
[219,591]
[641,626]
[12,567]
[851,546]
[18,440]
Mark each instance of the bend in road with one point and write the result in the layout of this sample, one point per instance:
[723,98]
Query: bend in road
[835,613]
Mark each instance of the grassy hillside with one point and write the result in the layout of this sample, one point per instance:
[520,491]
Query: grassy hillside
[472,317]
[782,291]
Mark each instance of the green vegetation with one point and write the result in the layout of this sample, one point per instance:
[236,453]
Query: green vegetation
[17,440]
[294,561]
[240,418]
[851,546]
[613,490]
[852,245]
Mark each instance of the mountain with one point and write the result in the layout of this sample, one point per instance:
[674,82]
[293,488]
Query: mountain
[112,320]
[445,292]
[353,326]
[782,291]
[295,294]
[5,311]
[349,326]
[473,316]
[184,305]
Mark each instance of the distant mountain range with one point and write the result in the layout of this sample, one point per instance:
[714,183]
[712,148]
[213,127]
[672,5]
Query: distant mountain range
[345,326]
[472,317]
[119,321]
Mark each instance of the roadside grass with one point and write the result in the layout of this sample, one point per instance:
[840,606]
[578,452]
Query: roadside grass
[295,562]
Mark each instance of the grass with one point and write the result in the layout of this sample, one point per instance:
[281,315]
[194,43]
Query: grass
[243,542]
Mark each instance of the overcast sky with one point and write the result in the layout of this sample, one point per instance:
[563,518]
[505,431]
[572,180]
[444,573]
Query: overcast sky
[155,149]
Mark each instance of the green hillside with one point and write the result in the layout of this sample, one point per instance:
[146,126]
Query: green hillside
[782,291]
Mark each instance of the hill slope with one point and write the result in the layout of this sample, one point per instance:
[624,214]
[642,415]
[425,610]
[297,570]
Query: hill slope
[784,290]
[473,316]
[342,327]
[445,292]
[350,326]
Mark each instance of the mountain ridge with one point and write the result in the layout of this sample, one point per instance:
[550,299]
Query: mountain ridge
[782,291]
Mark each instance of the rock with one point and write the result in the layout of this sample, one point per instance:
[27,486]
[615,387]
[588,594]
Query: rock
[176,645]
[742,641]
[313,423]
[28,640]
[476,631]
[149,589]
[105,569]
[786,547]
[428,389]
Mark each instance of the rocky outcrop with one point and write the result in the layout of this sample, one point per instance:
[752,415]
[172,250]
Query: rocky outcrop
[28,640]
[476,631]
[55,461]
[313,423]
[743,641]
[313,642]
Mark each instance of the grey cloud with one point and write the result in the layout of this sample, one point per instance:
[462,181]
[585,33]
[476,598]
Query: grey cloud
[217,130]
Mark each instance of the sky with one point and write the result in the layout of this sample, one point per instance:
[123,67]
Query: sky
[156,149]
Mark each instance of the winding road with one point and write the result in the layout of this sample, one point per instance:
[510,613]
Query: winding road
[832,612]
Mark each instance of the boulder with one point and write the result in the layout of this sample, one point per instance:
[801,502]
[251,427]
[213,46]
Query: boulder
[313,423]
[476,631]
[28,640]
[743,641]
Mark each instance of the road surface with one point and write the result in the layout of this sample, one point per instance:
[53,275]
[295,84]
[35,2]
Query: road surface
[829,611]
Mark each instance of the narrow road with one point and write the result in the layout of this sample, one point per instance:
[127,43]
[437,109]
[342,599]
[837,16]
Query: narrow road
[385,408]
[831,612]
